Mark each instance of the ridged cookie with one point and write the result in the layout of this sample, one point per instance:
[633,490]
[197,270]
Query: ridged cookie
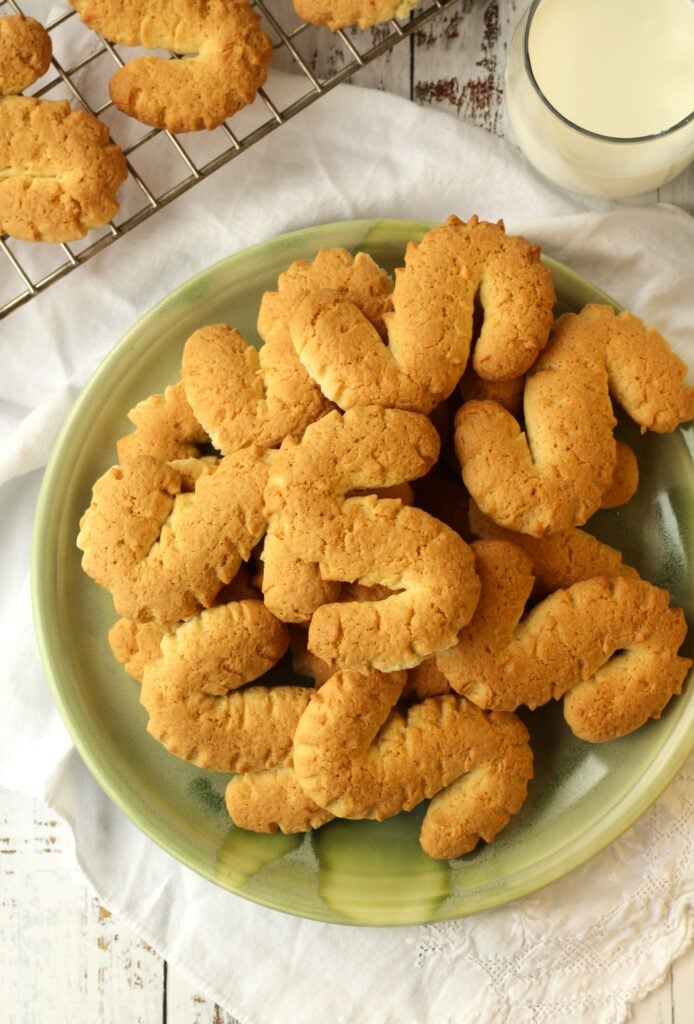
[244,396]
[608,644]
[25,53]
[358,757]
[190,695]
[553,475]
[229,55]
[430,326]
[164,553]
[371,540]
[165,427]
[60,171]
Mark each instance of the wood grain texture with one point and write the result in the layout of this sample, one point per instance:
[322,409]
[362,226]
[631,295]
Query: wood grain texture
[455,64]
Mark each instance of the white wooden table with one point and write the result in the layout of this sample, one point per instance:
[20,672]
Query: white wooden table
[65,958]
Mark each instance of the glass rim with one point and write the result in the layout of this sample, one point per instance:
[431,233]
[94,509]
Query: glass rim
[572,124]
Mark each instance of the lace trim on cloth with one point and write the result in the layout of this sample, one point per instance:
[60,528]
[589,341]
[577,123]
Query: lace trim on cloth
[562,964]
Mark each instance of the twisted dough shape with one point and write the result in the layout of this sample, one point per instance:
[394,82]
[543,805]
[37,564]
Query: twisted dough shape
[59,172]
[558,560]
[370,540]
[608,646]
[231,55]
[135,644]
[430,325]
[358,757]
[164,554]
[243,396]
[555,474]
[272,798]
[190,693]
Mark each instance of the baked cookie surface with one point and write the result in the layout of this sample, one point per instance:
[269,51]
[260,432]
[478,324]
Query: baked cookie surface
[229,55]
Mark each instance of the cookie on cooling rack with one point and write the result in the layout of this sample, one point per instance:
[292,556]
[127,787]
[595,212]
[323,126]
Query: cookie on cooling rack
[60,171]
[229,56]
[364,13]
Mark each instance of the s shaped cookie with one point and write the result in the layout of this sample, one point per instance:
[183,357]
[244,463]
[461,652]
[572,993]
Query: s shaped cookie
[554,475]
[359,757]
[371,540]
[193,698]
[60,172]
[229,55]
[607,645]
[165,552]
[242,396]
[430,324]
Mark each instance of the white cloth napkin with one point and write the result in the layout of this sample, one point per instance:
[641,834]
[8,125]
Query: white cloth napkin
[584,948]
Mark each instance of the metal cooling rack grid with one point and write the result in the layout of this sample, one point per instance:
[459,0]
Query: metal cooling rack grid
[163,166]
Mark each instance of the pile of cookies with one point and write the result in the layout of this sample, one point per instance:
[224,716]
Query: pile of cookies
[392,488]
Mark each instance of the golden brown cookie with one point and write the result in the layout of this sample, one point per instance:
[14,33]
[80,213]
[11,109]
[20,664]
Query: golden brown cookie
[25,53]
[552,476]
[609,645]
[480,803]
[507,393]
[189,695]
[425,680]
[229,55]
[265,801]
[364,13]
[358,757]
[370,540]
[292,587]
[164,553]
[244,396]
[60,171]
[646,377]
[136,644]
[431,322]
[165,427]
[557,560]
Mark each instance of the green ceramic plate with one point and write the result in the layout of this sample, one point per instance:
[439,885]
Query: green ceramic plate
[582,796]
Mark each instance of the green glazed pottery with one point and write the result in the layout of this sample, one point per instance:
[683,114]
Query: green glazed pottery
[582,796]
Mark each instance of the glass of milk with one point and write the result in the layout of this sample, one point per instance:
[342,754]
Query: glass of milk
[600,93]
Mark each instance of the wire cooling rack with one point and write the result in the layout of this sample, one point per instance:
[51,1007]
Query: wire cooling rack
[162,166]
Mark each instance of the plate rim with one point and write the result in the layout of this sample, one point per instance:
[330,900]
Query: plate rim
[596,839]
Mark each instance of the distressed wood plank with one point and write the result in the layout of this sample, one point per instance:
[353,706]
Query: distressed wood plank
[325,54]
[656,1008]
[185,1005]
[65,958]
[459,61]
